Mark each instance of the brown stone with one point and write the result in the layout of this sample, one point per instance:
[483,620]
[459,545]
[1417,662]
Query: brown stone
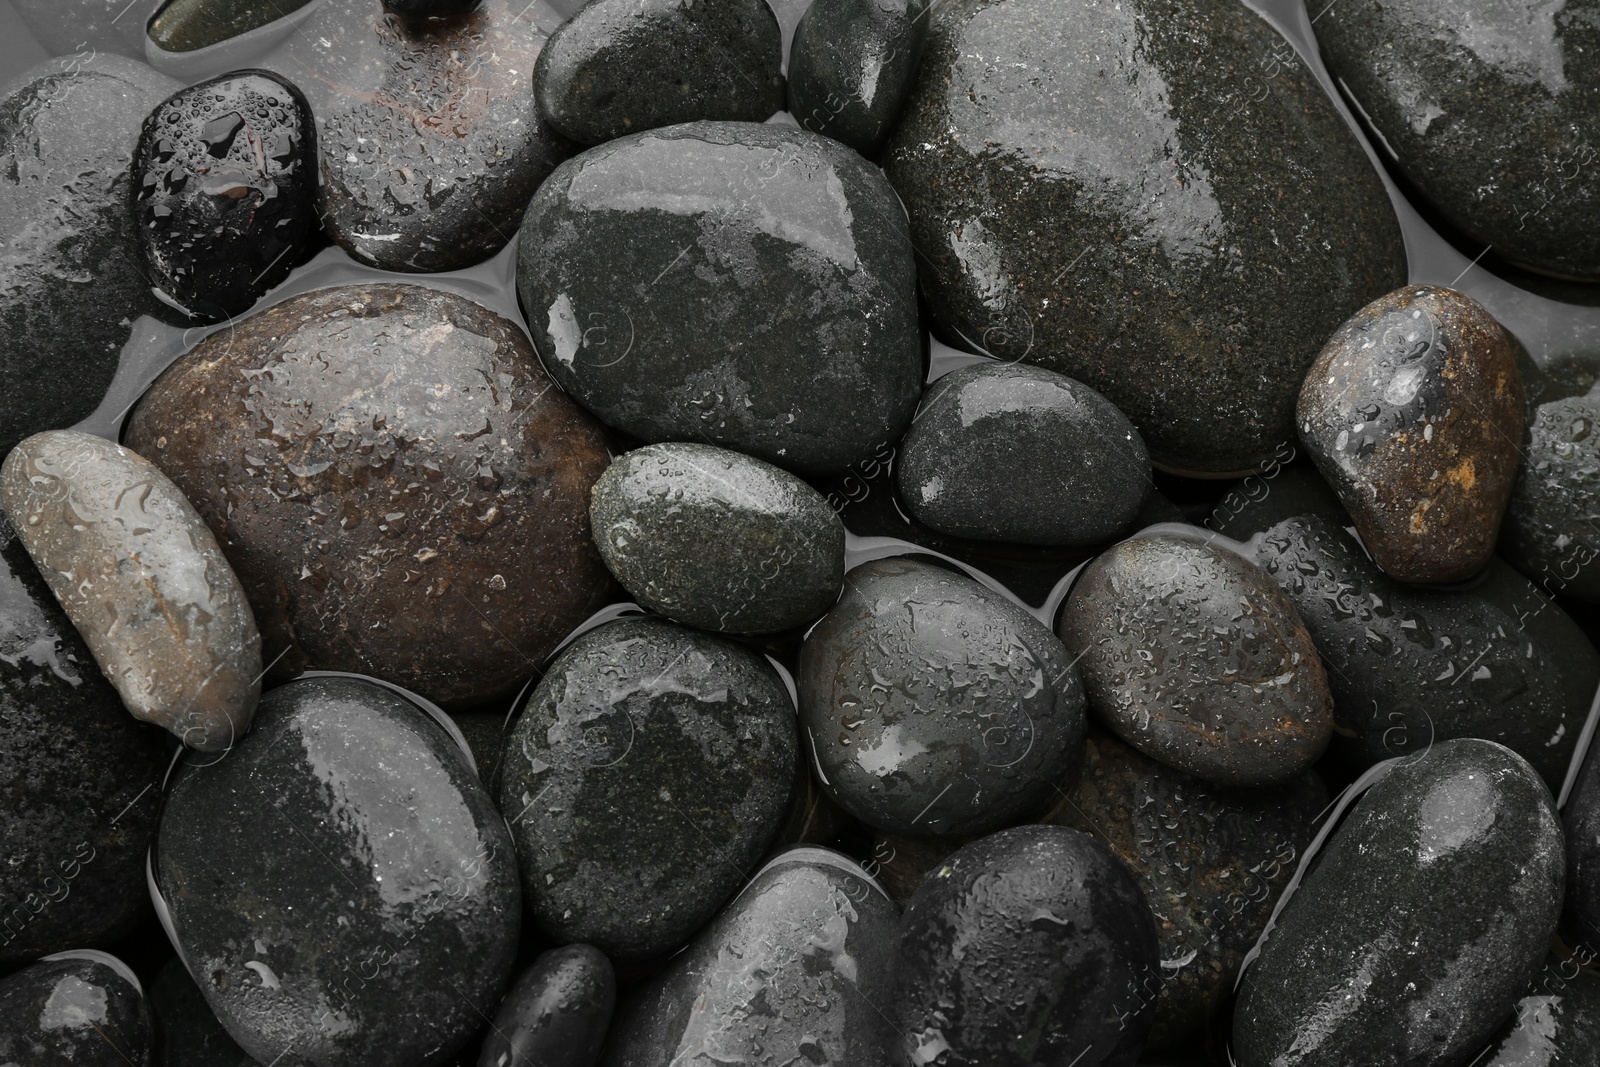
[1413,413]
[402,490]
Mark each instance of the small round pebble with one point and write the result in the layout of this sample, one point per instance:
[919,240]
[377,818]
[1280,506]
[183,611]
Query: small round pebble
[80,1009]
[556,1014]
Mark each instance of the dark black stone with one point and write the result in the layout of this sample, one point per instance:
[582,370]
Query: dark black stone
[934,706]
[80,779]
[1153,197]
[557,1013]
[1416,931]
[434,9]
[798,970]
[188,1034]
[224,188]
[74,1013]
[1488,110]
[189,25]
[427,135]
[1007,452]
[1411,665]
[1550,531]
[70,259]
[1557,1023]
[340,884]
[1033,945]
[1581,823]
[625,66]
[744,285]
[852,65]
[716,539]
[644,780]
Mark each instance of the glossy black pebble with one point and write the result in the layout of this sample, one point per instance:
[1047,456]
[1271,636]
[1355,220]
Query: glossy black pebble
[74,1012]
[851,67]
[1557,1024]
[556,1014]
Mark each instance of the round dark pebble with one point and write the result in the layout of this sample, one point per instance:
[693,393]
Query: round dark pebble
[1556,1024]
[852,65]
[74,1012]
[556,1014]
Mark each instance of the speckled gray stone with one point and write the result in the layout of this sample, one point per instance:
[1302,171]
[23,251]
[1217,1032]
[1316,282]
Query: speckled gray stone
[625,66]
[647,775]
[851,68]
[142,578]
[1489,110]
[1009,452]
[799,969]
[1153,197]
[341,886]
[1421,924]
[934,706]
[716,539]
[556,1014]
[740,284]
[74,1013]
[1196,658]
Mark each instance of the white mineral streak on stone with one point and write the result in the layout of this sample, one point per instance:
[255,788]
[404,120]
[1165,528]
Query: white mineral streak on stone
[142,578]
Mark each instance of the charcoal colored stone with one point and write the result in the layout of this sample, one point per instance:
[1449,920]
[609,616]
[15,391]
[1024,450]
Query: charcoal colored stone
[225,191]
[852,65]
[1105,190]
[85,28]
[801,964]
[1196,658]
[1411,665]
[716,539]
[1550,530]
[625,66]
[1413,412]
[383,465]
[1556,1023]
[431,9]
[1581,827]
[341,884]
[77,1011]
[1211,863]
[740,284]
[70,261]
[79,779]
[1032,945]
[484,731]
[556,1014]
[188,1034]
[1486,111]
[190,25]
[142,579]
[427,135]
[644,780]
[1415,933]
[1009,452]
[934,706]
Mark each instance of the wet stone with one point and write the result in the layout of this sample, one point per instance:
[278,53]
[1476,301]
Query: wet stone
[188,1033]
[79,779]
[736,284]
[1349,975]
[1138,239]
[556,1014]
[1413,413]
[625,66]
[70,259]
[1211,863]
[1411,665]
[1010,928]
[852,65]
[1196,658]
[804,957]
[1581,826]
[427,135]
[934,706]
[383,464]
[1009,452]
[1557,1023]
[1488,112]
[224,191]
[716,539]
[1550,531]
[142,579]
[356,922]
[189,25]
[647,775]
[78,1010]
[78,29]
[433,9]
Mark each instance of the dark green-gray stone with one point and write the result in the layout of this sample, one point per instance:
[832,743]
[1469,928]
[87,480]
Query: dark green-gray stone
[852,65]
[1153,197]
[716,539]
[626,66]
[1557,1023]
[340,885]
[188,1034]
[647,775]
[80,779]
[74,1012]
[1411,939]
[1489,110]
[187,25]
[1409,665]
[1008,452]
[1551,531]
[745,285]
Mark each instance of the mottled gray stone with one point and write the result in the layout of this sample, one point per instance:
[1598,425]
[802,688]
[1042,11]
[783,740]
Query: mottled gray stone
[851,68]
